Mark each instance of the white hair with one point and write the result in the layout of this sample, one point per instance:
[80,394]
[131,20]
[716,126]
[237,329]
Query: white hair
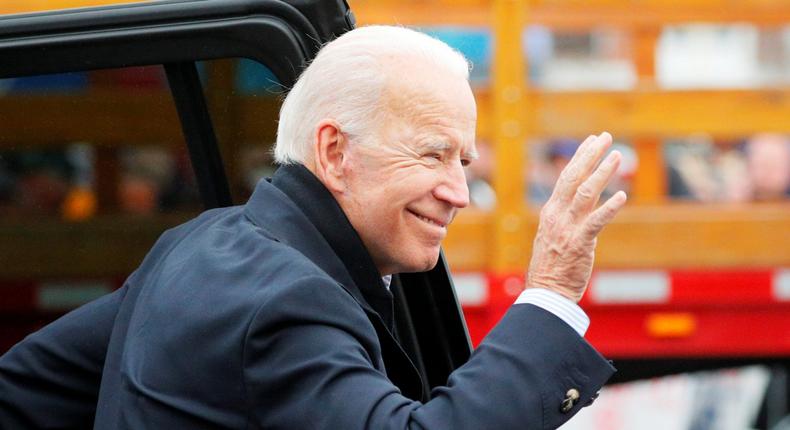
[345,82]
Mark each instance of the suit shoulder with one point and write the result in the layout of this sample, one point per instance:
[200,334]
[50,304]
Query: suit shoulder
[226,254]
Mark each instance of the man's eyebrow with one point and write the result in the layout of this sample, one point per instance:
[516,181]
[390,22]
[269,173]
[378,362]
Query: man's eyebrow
[442,145]
[437,145]
[471,154]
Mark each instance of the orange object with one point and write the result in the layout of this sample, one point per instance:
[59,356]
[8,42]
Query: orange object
[80,204]
[671,324]
[26,6]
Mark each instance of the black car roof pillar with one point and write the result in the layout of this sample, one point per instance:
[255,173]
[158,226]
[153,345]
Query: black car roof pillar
[199,134]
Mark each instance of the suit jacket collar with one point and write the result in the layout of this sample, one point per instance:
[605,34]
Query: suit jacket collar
[296,209]
[320,210]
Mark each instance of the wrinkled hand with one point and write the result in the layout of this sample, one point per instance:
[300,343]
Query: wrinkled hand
[564,248]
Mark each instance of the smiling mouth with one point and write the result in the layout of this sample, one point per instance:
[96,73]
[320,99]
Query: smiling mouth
[428,220]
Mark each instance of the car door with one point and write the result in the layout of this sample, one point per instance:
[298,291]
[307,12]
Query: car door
[176,35]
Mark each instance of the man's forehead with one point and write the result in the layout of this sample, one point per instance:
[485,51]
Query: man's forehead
[433,102]
[431,99]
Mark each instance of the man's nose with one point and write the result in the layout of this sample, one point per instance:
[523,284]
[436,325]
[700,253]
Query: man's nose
[453,188]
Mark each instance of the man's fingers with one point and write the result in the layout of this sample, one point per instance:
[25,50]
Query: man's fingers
[604,215]
[586,158]
[583,147]
[566,183]
[588,192]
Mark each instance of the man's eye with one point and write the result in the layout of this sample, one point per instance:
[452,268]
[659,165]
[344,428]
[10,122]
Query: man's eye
[434,155]
[465,162]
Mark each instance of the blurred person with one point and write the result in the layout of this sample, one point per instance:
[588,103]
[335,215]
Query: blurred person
[156,179]
[137,195]
[81,203]
[544,174]
[768,158]
[624,176]
[690,172]
[709,171]
[38,181]
[278,313]
[478,178]
[254,163]
[151,163]
[146,171]
[40,192]
[733,174]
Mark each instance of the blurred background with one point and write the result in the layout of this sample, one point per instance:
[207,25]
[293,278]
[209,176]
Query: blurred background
[691,293]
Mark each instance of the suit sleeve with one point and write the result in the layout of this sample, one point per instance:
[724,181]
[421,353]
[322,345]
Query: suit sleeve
[312,361]
[51,379]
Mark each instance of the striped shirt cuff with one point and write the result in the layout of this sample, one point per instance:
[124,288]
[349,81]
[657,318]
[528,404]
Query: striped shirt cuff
[559,305]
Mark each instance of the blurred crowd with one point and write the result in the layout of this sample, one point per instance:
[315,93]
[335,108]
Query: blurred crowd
[62,182]
[755,169]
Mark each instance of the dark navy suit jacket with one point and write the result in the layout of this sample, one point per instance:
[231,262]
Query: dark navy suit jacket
[272,315]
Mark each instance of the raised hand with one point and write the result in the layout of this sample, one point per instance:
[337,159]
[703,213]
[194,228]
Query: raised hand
[564,248]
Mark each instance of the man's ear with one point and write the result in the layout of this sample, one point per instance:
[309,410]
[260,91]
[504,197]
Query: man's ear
[330,155]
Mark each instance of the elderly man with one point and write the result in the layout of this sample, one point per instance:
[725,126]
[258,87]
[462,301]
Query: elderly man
[277,314]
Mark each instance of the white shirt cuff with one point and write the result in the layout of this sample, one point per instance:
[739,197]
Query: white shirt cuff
[559,305]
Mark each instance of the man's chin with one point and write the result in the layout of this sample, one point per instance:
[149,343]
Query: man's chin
[424,265]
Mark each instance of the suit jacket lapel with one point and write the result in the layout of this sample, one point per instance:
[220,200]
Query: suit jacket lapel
[299,211]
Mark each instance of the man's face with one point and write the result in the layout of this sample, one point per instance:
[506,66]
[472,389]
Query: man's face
[405,188]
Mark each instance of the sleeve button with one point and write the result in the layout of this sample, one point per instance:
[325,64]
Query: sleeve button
[571,398]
